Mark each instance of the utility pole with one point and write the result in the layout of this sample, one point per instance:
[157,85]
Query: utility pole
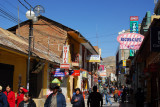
[29,51]
[18,23]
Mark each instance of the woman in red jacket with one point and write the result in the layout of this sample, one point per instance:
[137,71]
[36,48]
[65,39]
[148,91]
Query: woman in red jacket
[20,95]
[10,96]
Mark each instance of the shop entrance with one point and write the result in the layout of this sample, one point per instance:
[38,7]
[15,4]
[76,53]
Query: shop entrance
[6,75]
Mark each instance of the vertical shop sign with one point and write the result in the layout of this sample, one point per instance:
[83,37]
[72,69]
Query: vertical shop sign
[124,63]
[65,54]
[134,24]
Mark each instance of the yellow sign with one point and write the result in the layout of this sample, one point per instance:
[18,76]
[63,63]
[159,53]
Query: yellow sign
[124,62]
[93,58]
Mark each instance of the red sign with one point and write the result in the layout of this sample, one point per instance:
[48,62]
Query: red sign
[65,66]
[76,73]
[134,18]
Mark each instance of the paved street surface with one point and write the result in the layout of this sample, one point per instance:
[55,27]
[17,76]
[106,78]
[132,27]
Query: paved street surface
[115,104]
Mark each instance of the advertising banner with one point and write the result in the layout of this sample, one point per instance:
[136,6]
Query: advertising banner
[124,62]
[133,26]
[134,18]
[130,41]
[155,39]
[65,66]
[85,74]
[93,58]
[74,72]
[101,67]
[131,52]
[103,73]
[59,73]
[65,54]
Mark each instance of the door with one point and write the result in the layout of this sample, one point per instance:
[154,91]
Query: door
[6,75]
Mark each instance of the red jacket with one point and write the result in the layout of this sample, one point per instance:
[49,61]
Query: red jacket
[20,96]
[10,98]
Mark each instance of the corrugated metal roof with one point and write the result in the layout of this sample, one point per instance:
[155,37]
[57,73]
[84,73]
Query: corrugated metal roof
[20,44]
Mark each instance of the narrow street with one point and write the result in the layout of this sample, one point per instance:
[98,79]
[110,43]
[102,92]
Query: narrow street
[115,104]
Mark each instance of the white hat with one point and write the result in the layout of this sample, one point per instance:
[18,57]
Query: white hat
[0,88]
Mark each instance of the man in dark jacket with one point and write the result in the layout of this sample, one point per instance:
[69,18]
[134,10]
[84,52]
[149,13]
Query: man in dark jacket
[77,99]
[55,99]
[3,99]
[95,98]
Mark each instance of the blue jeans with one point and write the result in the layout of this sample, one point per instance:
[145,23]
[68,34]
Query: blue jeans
[107,99]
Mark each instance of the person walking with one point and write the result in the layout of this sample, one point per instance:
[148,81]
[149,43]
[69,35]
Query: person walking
[10,96]
[77,99]
[107,98]
[3,99]
[27,102]
[116,94]
[55,99]
[20,95]
[95,98]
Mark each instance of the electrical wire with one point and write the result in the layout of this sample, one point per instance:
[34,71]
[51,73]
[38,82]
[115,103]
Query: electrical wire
[28,4]
[23,5]
[22,12]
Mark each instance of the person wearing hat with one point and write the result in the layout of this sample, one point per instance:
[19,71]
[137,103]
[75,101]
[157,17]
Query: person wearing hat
[77,99]
[56,99]
[3,99]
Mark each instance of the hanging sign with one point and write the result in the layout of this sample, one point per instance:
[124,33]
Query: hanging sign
[65,54]
[59,73]
[93,58]
[65,66]
[130,41]
[74,72]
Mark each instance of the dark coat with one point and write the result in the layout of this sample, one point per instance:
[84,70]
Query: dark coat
[31,103]
[61,101]
[80,102]
[3,100]
[94,99]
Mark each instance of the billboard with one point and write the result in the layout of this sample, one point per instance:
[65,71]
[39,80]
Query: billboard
[130,41]
[93,58]
[74,72]
[155,39]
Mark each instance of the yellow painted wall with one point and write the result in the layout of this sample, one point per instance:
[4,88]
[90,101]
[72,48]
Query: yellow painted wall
[20,66]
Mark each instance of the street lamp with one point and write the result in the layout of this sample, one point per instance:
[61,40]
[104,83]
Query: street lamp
[31,16]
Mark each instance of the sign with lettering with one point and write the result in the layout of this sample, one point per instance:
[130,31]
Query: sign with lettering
[155,39]
[93,58]
[130,41]
[59,73]
[134,18]
[65,54]
[133,26]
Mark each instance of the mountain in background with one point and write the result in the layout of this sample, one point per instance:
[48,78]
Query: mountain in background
[109,61]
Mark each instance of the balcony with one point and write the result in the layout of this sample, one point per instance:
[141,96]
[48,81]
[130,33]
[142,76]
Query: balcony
[75,60]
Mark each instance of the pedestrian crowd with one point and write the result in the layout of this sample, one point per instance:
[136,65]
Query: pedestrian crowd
[8,98]
[57,99]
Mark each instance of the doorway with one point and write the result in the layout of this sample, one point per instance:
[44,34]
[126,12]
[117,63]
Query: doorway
[6,75]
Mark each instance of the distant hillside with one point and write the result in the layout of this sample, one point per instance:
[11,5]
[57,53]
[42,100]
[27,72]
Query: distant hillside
[109,61]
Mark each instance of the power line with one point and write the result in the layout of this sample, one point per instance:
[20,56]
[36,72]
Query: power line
[28,4]
[23,5]
[103,36]
[14,6]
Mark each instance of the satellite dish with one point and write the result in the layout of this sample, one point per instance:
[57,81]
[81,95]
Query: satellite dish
[38,10]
